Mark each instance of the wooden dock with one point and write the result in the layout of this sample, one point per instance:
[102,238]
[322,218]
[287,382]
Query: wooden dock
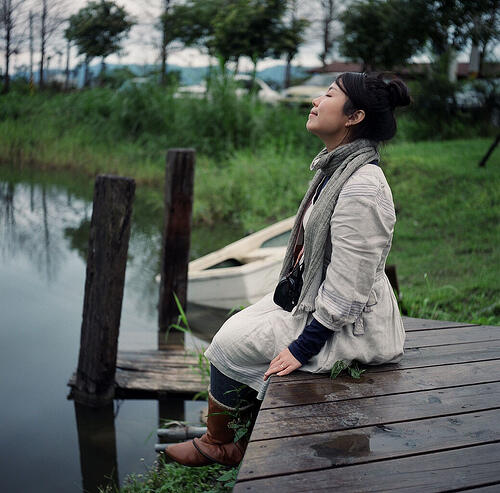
[430,423]
[156,373]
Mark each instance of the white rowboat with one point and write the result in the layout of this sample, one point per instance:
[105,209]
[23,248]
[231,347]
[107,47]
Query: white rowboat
[240,273]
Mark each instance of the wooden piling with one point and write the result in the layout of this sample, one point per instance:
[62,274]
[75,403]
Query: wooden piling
[179,184]
[105,278]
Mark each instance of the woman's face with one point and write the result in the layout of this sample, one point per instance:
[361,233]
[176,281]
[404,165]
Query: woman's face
[327,119]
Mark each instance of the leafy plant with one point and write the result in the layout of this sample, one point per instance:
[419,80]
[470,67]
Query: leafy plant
[353,369]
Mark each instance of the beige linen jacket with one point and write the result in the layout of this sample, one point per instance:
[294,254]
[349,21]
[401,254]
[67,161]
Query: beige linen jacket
[355,299]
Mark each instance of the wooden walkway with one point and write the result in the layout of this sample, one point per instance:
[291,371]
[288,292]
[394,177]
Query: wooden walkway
[155,373]
[428,424]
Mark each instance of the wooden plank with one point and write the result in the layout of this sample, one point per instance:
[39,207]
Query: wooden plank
[411,323]
[434,472]
[153,354]
[455,335]
[175,375]
[157,382]
[391,382]
[371,411]
[367,444]
[492,488]
[160,365]
[444,355]
[418,358]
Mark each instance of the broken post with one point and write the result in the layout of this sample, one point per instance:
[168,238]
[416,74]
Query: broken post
[179,184]
[105,278]
[485,158]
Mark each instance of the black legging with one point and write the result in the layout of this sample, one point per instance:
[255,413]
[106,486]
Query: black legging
[228,391]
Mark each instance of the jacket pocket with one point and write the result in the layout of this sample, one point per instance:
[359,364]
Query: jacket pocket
[372,301]
[359,326]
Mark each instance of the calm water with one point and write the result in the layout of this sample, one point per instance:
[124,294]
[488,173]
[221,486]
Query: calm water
[47,444]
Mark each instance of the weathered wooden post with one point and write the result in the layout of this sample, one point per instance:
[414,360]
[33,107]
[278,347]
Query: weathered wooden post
[106,261]
[179,184]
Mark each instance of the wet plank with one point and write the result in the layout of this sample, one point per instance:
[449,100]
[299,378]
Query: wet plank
[411,323]
[492,488]
[367,444]
[323,390]
[372,411]
[428,423]
[444,355]
[420,357]
[433,472]
[452,335]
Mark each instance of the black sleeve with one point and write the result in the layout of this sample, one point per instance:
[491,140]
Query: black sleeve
[310,342]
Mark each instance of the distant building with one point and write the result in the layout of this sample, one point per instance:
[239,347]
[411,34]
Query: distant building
[410,71]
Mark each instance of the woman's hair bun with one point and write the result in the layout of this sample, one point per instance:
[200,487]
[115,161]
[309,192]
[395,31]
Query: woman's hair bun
[398,93]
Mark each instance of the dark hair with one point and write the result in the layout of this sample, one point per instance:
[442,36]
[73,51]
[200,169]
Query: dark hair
[377,99]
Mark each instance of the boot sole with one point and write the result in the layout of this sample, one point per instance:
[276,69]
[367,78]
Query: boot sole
[212,459]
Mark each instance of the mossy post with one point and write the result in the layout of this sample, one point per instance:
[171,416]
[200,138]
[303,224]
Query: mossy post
[105,279]
[179,185]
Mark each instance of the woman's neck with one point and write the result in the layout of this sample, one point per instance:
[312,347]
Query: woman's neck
[336,141]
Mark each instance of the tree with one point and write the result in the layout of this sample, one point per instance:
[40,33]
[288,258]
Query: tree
[485,29]
[10,12]
[384,33]
[229,29]
[98,30]
[248,28]
[170,24]
[329,14]
[289,37]
[456,22]
[166,29]
[51,18]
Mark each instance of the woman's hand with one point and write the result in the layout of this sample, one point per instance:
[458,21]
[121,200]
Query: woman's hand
[283,364]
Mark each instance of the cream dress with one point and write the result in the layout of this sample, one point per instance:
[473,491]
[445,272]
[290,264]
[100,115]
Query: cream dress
[355,299]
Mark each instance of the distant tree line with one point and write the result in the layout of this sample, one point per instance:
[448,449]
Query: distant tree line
[387,33]
[381,34]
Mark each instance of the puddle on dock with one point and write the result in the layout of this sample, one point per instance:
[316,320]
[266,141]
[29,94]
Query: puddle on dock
[44,223]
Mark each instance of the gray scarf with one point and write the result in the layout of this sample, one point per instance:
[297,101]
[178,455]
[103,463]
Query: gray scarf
[340,164]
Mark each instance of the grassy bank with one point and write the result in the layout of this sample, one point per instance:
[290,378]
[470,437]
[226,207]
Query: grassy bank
[447,234]
[174,478]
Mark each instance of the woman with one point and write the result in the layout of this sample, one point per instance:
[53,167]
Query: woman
[341,238]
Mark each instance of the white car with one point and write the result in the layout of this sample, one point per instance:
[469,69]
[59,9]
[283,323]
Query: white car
[243,82]
[312,88]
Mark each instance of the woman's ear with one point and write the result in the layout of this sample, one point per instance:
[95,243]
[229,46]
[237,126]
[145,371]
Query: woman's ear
[355,118]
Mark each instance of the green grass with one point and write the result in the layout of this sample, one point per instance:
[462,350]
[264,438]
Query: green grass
[174,478]
[447,233]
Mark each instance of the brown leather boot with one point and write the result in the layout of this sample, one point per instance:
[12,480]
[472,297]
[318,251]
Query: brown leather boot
[217,444]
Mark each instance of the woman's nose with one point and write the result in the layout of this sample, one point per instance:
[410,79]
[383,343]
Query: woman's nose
[315,101]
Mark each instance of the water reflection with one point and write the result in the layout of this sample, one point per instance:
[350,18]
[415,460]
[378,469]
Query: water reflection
[44,224]
[97,446]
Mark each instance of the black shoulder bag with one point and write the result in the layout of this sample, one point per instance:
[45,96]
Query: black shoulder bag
[288,290]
